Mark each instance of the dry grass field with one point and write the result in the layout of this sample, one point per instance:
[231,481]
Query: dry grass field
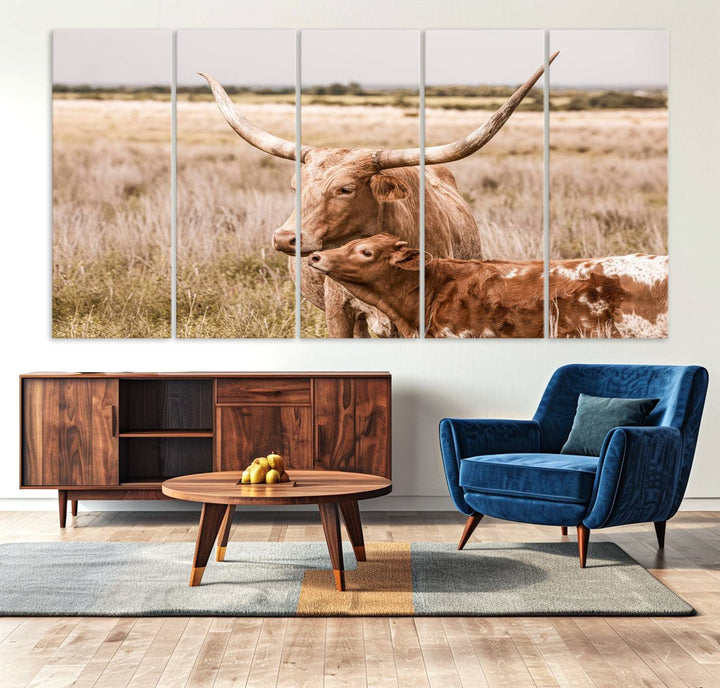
[111,218]
[231,197]
[111,240]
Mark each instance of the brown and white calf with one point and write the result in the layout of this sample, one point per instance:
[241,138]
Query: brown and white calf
[619,296]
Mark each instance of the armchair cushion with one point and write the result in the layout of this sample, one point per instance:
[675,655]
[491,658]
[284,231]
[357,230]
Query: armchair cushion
[462,437]
[596,416]
[551,477]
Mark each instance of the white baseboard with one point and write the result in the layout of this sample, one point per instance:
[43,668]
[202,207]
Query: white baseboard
[389,503]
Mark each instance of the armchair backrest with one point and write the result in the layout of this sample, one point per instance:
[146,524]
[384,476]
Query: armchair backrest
[681,390]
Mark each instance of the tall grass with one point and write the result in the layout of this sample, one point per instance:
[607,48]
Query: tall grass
[111,219]
[231,197]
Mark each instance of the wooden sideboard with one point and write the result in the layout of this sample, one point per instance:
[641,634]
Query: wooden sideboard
[119,435]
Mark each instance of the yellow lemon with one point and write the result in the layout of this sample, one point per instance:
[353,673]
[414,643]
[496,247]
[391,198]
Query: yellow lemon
[245,476]
[272,476]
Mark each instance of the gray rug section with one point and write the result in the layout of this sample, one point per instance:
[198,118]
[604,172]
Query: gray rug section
[264,579]
[536,579]
[152,579]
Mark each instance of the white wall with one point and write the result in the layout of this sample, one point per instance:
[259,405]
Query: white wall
[431,379]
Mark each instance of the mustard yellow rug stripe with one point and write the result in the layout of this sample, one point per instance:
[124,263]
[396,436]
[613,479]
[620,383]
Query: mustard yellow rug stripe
[382,585]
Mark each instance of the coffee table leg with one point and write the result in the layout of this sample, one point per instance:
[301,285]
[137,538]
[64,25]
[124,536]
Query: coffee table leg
[210,519]
[353,524]
[224,534]
[330,517]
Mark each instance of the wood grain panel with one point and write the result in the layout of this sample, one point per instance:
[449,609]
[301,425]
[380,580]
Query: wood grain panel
[372,427]
[291,390]
[251,431]
[68,432]
[334,407]
[352,425]
[128,494]
[39,396]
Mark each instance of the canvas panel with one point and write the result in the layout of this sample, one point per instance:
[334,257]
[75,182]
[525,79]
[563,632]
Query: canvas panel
[492,206]
[608,184]
[360,95]
[231,282]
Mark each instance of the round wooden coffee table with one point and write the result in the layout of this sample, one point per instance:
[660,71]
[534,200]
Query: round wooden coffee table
[334,492]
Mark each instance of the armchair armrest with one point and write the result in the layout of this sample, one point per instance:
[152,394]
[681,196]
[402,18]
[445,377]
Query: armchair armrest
[461,438]
[637,478]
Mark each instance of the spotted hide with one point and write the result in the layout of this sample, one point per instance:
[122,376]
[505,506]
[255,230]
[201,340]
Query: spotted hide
[619,296]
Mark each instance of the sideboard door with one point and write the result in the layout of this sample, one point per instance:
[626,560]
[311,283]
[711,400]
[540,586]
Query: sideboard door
[352,425]
[246,432]
[69,431]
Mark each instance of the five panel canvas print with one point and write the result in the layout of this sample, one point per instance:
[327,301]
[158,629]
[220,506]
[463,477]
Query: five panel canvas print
[460,114]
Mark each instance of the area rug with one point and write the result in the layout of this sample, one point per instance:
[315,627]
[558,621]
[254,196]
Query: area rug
[294,578]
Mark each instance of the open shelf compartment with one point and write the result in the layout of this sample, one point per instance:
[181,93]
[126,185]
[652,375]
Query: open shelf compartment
[165,405]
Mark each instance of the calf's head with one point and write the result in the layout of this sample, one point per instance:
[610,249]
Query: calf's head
[375,261]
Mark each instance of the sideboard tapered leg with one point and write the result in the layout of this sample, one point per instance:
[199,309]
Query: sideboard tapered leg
[62,505]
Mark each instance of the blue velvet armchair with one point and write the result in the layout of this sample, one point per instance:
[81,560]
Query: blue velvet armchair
[514,470]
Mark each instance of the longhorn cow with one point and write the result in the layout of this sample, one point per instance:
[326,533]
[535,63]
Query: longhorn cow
[347,193]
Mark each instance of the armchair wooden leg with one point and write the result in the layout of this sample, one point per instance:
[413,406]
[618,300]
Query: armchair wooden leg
[660,532]
[563,530]
[583,535]
[470,525]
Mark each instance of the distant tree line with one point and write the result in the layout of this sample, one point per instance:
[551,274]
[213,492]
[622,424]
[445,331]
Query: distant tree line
[457,97]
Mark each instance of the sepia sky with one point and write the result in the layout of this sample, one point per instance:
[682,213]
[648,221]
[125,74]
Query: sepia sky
[592,58]
[386,57]
[238,57]
[112,57]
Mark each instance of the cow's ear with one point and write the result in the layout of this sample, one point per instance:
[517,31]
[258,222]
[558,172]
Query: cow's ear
[386,187]
[406,258]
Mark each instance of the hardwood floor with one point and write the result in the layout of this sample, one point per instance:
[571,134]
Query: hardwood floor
[373,652]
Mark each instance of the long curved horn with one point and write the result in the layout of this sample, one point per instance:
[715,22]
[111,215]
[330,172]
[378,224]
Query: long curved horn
[457,150]
[253,134]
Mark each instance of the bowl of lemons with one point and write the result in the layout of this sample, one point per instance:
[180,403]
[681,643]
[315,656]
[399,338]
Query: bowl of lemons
[266,470]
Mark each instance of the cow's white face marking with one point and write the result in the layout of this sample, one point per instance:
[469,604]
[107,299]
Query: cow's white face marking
[639,267]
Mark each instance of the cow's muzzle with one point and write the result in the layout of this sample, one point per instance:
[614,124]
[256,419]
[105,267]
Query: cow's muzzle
[285,240]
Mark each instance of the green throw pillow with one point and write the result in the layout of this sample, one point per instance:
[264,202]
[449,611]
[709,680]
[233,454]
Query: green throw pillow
[596,416]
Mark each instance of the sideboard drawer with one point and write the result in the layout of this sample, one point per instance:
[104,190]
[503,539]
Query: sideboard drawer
[263,390]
